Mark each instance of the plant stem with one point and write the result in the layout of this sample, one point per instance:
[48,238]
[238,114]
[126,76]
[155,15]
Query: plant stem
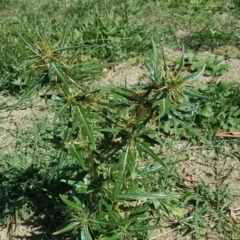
[91,162]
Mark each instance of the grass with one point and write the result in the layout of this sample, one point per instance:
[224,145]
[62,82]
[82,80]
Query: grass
[89,160]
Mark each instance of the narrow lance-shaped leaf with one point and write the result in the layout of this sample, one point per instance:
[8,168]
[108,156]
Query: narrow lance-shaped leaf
[165,66]
[140,210]
[151,71]
[61,75]
[64,39]
[126,94]
[143,147]
[148,170]
[193,131]
[62,49]
[71,204]
[195,76]
[194,93]
[122,165]
[25,97]
[87,115]
[159,196]
[152,65]
[112,223]
[115,236]
[28,62]
[80,186]
[179,69]
[163,108]
[28,44]
[113,214]
[154,57]
[117,189]
[16,218]
[61,158]
[85,235]
[149,139]
[125,165]
[78,155]
[69,131]
[60,112]
[130,164]
[86,125]
[68,228]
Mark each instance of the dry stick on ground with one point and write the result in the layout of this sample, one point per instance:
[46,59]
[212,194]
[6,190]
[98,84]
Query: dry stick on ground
[228,135]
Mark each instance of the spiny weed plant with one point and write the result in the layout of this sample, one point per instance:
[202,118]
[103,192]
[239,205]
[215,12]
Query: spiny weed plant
[111,133]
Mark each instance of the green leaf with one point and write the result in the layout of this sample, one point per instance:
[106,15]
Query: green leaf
[203,86]
[190,55]
[182,62]
[78,155]
[115,236]
[85,235]
[152,66]
[143,147]
[224,86]
[28,44]
[113,214]
[126,94]
[117,189]
[205,111]
[194,93]
[80,186]
[64,39]
[148,139]
[82,96]
[134,196]
[140,211]
[72,205]
[193,131]
[163,108]
[61,75]
[86,125]
[25,97]
[68,228]
[165,66]
[110,130]
[28,62]
[89,116]
[60,112]
[148,170]
[169,207]
[195,76]
[125,165]
[62,49]
[62,157]
[154,56]
[112,223]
